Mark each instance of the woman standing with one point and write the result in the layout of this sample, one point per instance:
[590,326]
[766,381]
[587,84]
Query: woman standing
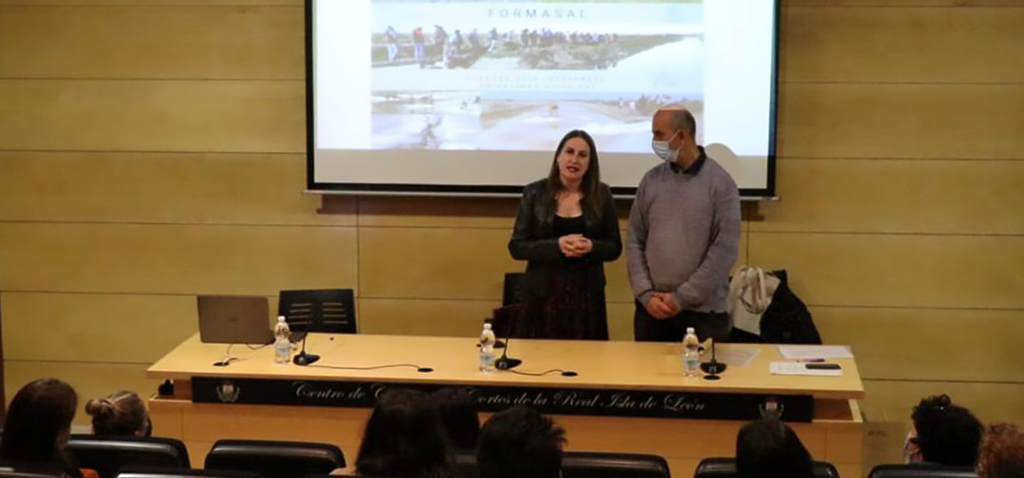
[566,228]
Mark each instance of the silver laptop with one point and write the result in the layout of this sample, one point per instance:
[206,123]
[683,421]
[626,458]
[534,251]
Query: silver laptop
[234,319]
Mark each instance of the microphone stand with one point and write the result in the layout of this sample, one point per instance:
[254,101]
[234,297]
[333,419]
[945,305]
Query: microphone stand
[505,362]
[302,358]
[714,367]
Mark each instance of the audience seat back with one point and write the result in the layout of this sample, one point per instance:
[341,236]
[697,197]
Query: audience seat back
[921,471]
[726,468]
[275,459]
[579,464]
[108,455]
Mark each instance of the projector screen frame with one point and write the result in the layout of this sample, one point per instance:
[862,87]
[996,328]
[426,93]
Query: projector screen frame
[396,189]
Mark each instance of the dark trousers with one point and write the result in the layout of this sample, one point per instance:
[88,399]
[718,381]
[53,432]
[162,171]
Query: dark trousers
[707,324]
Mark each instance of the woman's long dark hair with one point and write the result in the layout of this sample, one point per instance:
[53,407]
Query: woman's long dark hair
[38,414]
[404,438]
[590,186]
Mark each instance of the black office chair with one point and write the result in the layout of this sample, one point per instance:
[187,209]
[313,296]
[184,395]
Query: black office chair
[922,471]
[586,464]
[465,465]
[726,468]
[275,459]
[156,472]
[8,473]
[109,455]
[32,470]
[324,310]
[514,289]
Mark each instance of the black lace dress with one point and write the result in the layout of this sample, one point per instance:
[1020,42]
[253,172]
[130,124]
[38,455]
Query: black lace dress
[573,308]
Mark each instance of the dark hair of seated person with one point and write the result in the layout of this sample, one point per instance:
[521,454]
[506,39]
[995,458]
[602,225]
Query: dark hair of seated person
[1001,454]
[38,425]
[121,414]
[458,413]
[518,443]
[404,438]
[768,448]
[947,434]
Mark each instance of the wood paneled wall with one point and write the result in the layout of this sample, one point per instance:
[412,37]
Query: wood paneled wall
[152,150]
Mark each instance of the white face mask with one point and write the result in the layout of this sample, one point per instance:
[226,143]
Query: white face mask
[661,149]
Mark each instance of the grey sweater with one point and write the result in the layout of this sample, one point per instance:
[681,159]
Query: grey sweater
[684,232]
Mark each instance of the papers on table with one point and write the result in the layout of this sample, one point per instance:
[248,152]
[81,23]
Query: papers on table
[797,368]
[805,352]
[733,357]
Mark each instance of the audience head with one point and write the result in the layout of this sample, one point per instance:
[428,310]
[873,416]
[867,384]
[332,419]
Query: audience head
[119,414]
[768,448]
[943,433]
[403,438]
[457,410]
[1002,452]
[38,422]
[520,442]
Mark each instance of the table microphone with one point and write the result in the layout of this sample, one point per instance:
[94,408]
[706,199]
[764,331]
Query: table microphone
[714,367]
[505,362]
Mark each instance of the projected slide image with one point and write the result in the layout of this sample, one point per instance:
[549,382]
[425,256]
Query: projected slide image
[528,35]
[426,120]
[623,122]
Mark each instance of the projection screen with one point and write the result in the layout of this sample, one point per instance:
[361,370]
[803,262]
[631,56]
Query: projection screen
[471,97]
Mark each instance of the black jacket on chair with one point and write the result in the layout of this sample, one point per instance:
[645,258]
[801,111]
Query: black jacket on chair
[533,237]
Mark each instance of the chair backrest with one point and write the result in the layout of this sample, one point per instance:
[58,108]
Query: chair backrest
[156,472]
[586,464]
[108,455]
[31,470]
[8,473]
[578,464]
[726,468]
[514,290]
[322,310]
[275,459]
[922,470]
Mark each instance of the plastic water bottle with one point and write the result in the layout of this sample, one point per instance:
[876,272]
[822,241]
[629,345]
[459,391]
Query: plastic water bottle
[282,346]
[487,341]
[691,354]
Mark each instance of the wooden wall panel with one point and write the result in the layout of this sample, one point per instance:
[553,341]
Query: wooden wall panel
[948,344]
[901,121]
[94,3]
[897,270]
[90,380]
[147,42]
[181,188]
[899,3]
[904,45]
[95,327]
[204,116]
[424,263]
[446,212]
[892,401]
[175,259]
[897,196]
[444,318]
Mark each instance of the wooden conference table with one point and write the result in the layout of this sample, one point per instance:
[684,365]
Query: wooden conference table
[627,397]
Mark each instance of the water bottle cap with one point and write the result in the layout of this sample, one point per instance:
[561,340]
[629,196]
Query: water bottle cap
[280,318]
[689,330]
[487,325]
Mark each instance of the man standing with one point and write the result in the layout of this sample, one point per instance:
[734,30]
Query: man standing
[684,232]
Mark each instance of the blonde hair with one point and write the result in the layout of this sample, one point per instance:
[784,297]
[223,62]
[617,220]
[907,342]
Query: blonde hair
[119,414]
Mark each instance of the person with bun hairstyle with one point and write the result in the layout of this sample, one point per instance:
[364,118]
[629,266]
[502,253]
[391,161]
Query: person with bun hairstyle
[120,414]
